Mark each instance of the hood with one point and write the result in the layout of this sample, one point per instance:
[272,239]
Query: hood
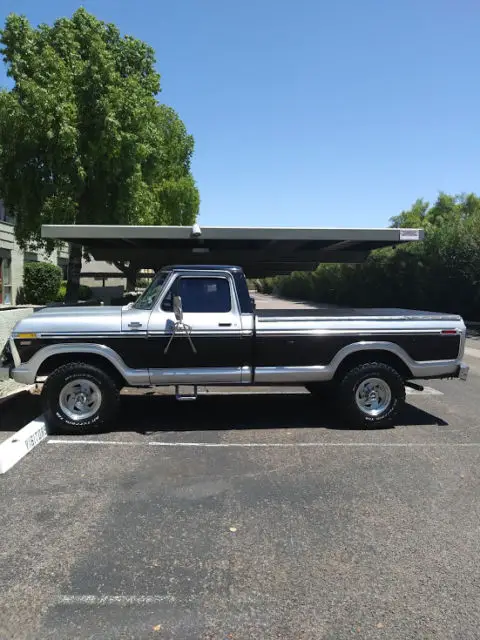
[55,320]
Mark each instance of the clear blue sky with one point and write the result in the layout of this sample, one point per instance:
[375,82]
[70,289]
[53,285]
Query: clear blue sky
[309,112]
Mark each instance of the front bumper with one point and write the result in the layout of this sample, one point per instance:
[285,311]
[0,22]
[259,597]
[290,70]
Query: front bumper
[9,359]
[4,373]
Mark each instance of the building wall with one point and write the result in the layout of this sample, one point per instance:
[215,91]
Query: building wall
[8,319]
[9,249]
[103,288]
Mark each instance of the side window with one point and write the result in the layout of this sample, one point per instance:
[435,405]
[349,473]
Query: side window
[201,295]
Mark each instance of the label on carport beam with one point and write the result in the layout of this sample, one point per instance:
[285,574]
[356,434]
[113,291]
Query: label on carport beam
[409,234]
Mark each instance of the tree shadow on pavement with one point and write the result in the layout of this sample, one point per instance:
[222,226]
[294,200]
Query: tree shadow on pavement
[147,414]
[18,410]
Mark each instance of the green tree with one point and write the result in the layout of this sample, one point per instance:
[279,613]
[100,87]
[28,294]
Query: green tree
[440,274]
[413,218]
[446,209]
[82,137]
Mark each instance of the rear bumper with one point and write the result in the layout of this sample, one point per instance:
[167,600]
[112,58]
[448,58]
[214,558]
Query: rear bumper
[462,371]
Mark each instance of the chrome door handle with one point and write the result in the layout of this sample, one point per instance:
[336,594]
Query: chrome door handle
[135,325]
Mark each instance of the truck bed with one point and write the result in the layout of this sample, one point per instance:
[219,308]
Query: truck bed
[344,312]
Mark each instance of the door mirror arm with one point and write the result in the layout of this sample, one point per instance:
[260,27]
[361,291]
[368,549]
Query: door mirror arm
[177,308]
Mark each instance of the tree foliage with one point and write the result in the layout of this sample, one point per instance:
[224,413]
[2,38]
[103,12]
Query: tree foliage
[440,274]
[82,137]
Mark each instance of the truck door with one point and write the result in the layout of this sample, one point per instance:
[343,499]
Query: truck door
[216,350]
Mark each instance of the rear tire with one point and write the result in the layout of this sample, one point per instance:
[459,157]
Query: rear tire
[371,395]
[79,398]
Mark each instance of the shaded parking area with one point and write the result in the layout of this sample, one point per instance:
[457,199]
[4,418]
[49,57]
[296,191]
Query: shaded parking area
[248,517]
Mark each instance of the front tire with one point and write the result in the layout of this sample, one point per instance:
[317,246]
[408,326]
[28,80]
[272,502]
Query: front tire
[371,395]
[79,398]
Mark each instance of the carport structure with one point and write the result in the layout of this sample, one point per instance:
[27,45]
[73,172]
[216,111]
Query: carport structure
[261,251]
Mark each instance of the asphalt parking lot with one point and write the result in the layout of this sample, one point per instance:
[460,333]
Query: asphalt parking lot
[246,517]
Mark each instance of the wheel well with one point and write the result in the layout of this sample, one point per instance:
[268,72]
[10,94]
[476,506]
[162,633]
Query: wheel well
[376,355]
[54,362]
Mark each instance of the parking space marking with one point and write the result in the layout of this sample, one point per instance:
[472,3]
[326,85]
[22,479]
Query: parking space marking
[96,600]
[22,442]
[283,445]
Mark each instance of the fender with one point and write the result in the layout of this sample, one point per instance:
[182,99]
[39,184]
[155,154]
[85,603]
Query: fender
[300,375]
[26,373]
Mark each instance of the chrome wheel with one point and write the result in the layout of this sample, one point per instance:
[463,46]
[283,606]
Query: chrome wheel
[373,396]
[80,399]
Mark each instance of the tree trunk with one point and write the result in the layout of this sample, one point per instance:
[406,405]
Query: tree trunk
[131,274]
[74,269]
[130,271]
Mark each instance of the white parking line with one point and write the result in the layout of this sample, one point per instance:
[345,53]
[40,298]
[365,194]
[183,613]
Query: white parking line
[283,445]
[94,600]
[17,446]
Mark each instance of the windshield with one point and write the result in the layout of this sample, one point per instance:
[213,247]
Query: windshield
[151,293]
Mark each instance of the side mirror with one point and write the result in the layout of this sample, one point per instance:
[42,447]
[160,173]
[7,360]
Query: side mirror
[177,308]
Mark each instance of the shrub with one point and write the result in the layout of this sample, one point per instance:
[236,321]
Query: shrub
[84,292]
[440,274]
[41,282]
[123,300]
[62,292]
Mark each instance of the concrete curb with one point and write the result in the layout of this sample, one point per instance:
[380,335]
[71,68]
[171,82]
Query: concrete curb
[22,442]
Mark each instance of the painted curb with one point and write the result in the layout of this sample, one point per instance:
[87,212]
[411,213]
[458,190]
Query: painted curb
[17,446]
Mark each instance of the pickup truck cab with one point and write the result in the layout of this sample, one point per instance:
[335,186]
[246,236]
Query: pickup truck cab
[197,325]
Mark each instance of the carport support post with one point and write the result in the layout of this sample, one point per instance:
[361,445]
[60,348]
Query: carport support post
[74,269]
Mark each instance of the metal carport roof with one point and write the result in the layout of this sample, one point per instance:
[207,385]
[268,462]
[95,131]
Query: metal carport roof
[261,251]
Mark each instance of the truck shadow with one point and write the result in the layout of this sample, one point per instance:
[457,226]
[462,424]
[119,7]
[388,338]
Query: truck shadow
[149,413]
[18,410]
[216,413]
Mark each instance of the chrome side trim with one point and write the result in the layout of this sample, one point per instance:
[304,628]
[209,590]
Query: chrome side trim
[26,373]
[348,332]
[425,369]
[97,336]
[365,318]
[246,377]
[199,333]
[298,375]
[200,375]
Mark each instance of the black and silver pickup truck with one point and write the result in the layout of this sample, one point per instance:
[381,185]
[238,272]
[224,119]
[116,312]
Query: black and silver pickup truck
[197,325]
